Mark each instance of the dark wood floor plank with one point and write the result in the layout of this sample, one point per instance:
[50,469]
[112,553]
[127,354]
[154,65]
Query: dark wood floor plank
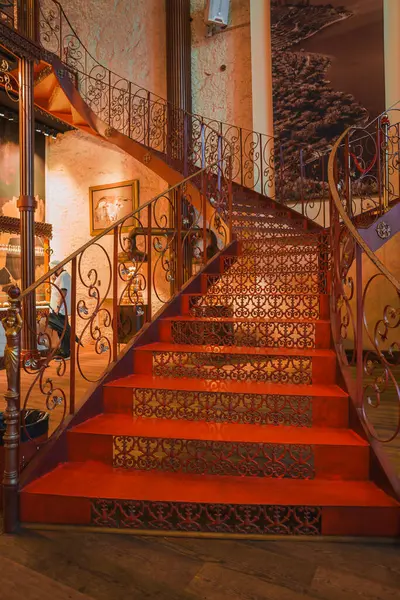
[214,582]
[251,559]
[120,567]
[88,564]
[331,585]
[376,561]
[19,582]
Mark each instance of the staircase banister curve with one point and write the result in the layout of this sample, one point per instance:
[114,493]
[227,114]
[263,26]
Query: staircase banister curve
[346,220]
[365,318]
[120,77]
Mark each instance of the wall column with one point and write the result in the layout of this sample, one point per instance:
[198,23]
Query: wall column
[261,71]
[391,21]
[391,18]
[26,203]
[179,81]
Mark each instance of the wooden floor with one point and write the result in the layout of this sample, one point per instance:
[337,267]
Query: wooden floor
[68,565]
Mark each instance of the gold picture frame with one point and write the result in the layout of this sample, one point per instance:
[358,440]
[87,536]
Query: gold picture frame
[109,203]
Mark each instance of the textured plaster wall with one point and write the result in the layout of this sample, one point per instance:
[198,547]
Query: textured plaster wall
[222,94]
[127,36]
[76,161]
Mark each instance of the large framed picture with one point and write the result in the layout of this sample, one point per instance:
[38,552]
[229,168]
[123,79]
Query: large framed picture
[110,203]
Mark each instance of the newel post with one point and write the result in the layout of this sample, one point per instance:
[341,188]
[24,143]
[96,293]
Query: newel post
[12,324]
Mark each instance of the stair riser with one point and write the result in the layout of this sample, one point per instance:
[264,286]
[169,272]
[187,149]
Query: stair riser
[266,262]
[202,457]
[295,411]
[236,367]
[258,334]
[247,306]
[232,282]
[218,519]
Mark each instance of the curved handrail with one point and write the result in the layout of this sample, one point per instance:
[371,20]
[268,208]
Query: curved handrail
[343,214]
[364,325]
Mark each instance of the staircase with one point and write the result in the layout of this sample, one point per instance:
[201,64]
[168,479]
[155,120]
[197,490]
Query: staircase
[233,421]
[234,418]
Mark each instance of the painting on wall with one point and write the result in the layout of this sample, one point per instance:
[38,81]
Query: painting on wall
[110,203]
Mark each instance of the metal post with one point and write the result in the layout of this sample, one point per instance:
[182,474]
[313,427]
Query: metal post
[73,337]
[386,155]
[179,258]
[230,199]
[115,316]
[149,262]
[204,211]
[12,324]
[347,177]
[26,202]
[359,328]
[302,180]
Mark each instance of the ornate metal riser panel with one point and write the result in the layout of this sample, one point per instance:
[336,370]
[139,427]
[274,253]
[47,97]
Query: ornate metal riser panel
[243,232]
[267,266]
[223,407]
[260,306]
[259,223]
[279,261]
[251,284]
[233,367]
[206,457]
[253,334]
[247,519]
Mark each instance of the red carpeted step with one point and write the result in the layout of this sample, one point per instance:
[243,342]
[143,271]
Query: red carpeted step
[227,401]
[277,365]
[95,494]
[220,448]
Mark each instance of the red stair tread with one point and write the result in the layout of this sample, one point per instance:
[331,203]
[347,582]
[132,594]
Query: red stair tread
[97,480]
[117,424]
[206,385]
[171,347]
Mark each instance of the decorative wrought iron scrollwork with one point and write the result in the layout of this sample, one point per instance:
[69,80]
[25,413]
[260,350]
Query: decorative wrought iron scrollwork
[8,81]
[365,307]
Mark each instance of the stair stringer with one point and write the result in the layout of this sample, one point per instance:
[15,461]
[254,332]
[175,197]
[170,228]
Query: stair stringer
[138,151]
[153,159]
[55,451]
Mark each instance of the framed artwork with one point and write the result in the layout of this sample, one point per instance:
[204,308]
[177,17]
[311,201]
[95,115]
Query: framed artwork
[110,203]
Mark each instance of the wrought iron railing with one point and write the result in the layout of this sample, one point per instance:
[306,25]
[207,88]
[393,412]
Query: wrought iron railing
[365,295]
[188,142]
[119,281]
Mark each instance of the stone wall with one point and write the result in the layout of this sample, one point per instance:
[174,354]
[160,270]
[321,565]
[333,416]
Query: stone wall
[130,40]
[76,161]
[127,36]
[221,66]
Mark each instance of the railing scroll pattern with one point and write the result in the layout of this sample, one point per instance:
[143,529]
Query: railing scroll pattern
[365,295]
[119,281]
